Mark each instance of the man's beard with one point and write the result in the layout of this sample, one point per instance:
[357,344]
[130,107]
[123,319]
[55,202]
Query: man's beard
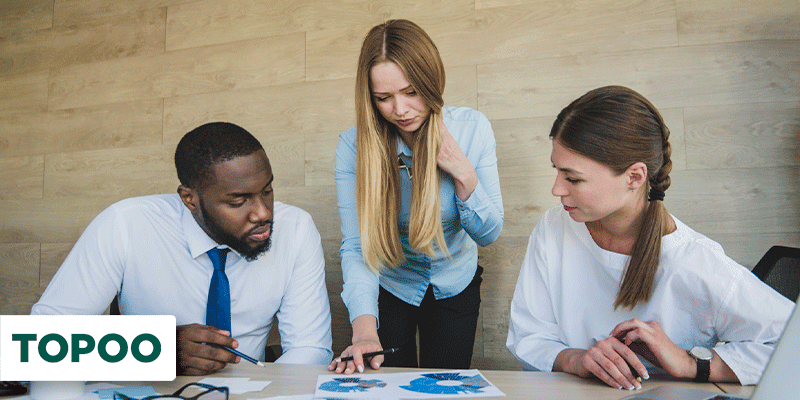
[239,245]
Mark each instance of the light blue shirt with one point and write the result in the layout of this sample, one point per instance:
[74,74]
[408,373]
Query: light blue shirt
[465,223]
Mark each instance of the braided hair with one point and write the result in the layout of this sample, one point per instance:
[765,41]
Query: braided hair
[618,127]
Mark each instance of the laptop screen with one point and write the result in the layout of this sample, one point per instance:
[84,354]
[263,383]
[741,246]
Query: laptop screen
[782,375]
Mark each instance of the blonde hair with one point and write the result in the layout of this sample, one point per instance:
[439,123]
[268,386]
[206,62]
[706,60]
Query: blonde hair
[618,127]
[377,175]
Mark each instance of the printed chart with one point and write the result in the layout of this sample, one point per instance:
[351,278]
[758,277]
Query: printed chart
[407,385]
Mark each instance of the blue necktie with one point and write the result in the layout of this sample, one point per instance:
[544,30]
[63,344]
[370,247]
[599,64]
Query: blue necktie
[218,313]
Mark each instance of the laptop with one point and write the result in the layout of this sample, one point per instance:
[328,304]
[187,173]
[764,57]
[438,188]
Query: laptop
[779,381]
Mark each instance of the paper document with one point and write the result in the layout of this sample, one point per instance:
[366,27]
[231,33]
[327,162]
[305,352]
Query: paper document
[407,385]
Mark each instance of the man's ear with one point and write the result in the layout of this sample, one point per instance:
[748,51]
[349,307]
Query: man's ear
[637,175]
[189,197]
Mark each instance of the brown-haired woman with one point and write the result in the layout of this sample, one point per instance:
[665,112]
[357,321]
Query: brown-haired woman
[612,259]
[417,188]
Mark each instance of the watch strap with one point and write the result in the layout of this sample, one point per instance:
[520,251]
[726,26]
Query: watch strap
[703,370]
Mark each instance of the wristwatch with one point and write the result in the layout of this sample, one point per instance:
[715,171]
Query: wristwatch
[703,357]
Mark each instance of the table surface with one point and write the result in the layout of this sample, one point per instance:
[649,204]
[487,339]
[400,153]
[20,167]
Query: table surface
[302,379]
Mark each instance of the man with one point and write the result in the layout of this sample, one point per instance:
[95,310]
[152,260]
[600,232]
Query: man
[158,254]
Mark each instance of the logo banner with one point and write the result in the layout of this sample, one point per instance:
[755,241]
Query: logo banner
[87,348]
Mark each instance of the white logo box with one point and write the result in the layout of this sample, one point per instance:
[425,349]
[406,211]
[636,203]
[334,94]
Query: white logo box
[91,366]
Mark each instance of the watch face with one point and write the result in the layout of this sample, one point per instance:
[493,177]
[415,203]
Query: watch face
[701,353]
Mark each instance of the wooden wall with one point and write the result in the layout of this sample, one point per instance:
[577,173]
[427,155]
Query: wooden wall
[96,93]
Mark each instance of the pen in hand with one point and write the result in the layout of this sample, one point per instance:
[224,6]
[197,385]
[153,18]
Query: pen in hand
[366,355]
[634,372]
[239,353]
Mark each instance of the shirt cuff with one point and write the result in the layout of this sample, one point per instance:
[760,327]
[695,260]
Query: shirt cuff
[477,200]
[362,305]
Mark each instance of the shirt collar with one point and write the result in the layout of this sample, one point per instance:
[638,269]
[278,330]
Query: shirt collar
[197,239]
[402,148]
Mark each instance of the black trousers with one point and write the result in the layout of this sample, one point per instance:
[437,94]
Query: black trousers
[446,328]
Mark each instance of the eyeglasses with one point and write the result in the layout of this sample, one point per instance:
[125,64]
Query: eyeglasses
[195,391]
[403,166]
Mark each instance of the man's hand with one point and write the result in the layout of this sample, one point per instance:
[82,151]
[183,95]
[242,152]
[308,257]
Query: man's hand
[196,357]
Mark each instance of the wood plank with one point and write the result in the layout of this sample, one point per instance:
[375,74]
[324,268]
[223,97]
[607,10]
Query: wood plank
[26,92]
[744,136]
[26,53]
[332,49]
[702,22]
[537,30]
[135,34]
[25,16]
[674,119]
[320,202]
[80,12]
[297,124]
[21,131]
[90,128]
[21,177]
[333,53]
[320,150]
[119,125]
[737,201]
[48,221]
[21,265]
[547,29]
[502,261]
[496,332]
[124,172]
[482,4]
[342,331]
[747,249]
[205,23]
[53,255]
[736,73]
[525,199]
[461,87]
[297,108]
[497,291]
[255,63]
[523,149]
[19,300]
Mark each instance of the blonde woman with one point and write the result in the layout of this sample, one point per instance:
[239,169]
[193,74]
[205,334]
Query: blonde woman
[417,189]
[611,276]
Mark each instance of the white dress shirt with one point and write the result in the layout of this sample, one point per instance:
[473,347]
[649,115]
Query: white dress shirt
[152,252]
[567,286]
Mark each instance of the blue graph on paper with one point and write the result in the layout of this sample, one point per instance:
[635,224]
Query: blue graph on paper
[447,383]
[344,385]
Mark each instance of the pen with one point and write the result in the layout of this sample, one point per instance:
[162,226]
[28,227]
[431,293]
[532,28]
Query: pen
[372,354]
[634,372]
[621,338]
[240,354]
